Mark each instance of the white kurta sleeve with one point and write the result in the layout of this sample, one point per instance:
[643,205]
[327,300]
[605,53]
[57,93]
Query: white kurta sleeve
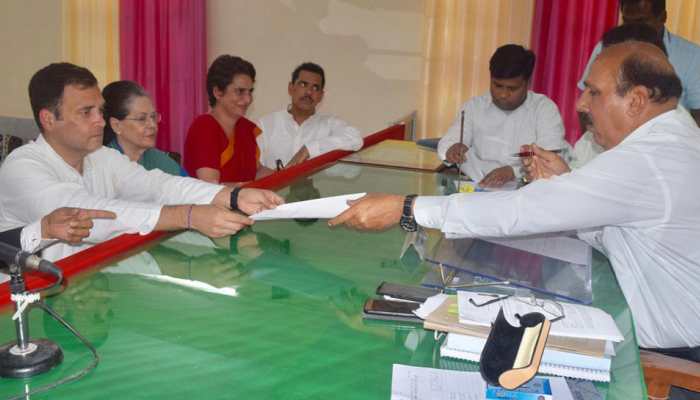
[263,140]
[34,191]
[341,136]
[135,183]
[31,239]
[587,198]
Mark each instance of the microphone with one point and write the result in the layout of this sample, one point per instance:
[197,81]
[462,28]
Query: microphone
[24,357]
[12,255]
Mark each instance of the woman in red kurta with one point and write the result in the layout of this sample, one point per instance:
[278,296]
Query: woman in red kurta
[221,145]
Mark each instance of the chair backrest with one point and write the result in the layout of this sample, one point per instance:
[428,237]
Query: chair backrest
[661,372]
[409,123]
[7,144]
[15,132]
[23,128]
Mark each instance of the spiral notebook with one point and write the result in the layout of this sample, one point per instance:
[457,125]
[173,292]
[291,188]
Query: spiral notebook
[554,362]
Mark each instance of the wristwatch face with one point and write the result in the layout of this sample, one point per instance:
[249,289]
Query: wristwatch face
[408,223]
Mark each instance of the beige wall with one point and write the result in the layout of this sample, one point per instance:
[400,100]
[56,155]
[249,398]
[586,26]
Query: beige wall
[370,50]
[30,38]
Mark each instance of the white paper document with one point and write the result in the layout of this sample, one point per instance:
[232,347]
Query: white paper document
[416,383]
[579,321]
[326,207]
[430,304]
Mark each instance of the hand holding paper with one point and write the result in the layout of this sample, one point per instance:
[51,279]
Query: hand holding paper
[327,207]
[374,212]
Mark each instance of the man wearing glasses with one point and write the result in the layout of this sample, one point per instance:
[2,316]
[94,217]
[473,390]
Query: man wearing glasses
[298,133]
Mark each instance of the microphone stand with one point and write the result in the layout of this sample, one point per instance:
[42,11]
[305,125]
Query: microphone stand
[25,357]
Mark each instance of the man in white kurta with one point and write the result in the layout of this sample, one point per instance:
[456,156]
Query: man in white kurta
[488,130]
[493,135]
[636,202]
[298,133]
[68,166]
[36,180]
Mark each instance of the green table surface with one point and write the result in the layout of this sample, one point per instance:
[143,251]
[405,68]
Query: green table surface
[291,324]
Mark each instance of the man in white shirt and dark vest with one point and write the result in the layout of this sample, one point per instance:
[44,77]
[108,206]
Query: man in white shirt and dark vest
[298,133]
[493,126]
[636,201]
[67,166]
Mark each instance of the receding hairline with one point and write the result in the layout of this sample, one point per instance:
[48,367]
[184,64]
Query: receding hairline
[642,51]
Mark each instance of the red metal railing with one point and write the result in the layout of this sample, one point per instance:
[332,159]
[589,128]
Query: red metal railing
[111,249]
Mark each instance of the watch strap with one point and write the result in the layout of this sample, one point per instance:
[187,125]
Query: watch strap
[233,205]
[408,221]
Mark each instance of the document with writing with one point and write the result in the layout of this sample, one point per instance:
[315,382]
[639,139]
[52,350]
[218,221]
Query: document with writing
[326,207]
[417,383]
[579,321]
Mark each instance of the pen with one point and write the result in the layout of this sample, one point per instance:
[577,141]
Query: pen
[461,129]
[461,142]
[523,154]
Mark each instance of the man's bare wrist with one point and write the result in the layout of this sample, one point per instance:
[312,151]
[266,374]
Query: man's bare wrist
[44,228]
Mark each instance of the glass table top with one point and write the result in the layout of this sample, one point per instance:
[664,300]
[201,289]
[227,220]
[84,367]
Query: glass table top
[273,312]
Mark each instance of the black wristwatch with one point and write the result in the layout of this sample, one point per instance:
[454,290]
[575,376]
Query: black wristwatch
[408,221]
[233,205]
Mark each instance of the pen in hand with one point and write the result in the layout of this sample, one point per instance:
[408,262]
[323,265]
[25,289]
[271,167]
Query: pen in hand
[524,154]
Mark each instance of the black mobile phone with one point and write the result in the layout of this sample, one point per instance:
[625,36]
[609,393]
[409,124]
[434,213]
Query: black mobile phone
[391,310]
[405,292]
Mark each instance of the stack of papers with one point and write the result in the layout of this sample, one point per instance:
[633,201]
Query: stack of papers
[579,321]
[416,383]
[579,345]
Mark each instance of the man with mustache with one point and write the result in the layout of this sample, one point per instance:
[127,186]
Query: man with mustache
[298,133]
[586,148]
[497,123]
[636,202]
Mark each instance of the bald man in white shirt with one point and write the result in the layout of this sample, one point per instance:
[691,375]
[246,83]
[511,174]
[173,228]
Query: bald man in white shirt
[636,202]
